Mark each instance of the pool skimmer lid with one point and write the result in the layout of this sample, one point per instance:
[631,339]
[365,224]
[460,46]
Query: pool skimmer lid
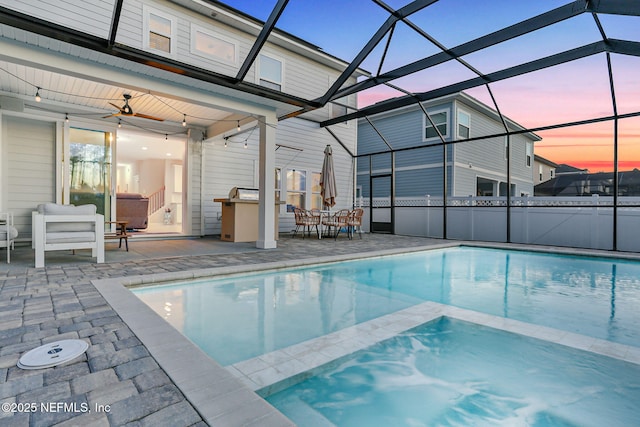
[52,354]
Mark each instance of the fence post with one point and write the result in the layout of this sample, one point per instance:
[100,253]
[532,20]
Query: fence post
[594,222]
[428,197]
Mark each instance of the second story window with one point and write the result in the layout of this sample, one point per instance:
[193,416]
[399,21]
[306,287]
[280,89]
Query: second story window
[440,119]
[528,154]
[159,32]
[270,72]
[209,45]
[464,125]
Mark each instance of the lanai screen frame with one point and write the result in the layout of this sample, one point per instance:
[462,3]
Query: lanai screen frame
[606,45]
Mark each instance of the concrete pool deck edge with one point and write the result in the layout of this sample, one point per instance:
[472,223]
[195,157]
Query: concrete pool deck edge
[228,396]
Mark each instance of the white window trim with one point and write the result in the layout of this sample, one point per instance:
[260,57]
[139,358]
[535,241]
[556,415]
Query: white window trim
[460,110]
[425,121]
[276,58]
[173,39]
[528,145]
[196,28]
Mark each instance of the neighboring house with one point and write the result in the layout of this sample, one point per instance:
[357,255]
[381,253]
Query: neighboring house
[181,61]
[474,168]
[589,184]
[543,169]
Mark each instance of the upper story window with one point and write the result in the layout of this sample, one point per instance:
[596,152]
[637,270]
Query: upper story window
[440,119]
[529,154]
[464,124]
[214,46]
[270,72]
[159,32]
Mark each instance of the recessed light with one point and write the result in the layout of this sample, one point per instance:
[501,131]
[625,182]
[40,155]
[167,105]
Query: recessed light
[144,148]
[168,154]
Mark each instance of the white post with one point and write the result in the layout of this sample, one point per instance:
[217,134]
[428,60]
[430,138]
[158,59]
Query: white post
[266,207]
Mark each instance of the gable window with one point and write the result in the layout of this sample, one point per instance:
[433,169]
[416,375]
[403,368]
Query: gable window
[540,172]
[270,73]
[159,32]
[464,124]
[528,154]
[440,119]
[209,45]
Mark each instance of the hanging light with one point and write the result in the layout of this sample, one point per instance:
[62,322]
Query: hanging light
[184,120]
[38,99]
[166,136]
[225,143]
[66,117]
[119,123]
[238,129]
[245,144]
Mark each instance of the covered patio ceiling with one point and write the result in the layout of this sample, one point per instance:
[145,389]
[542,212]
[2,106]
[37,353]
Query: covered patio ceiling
[420,50]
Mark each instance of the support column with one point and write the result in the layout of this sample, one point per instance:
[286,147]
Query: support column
[266,207]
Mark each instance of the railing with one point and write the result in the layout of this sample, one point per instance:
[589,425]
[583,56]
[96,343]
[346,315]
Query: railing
[156,200]
[581,222]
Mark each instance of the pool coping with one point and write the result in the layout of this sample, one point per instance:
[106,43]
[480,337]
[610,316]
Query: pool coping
[236,397]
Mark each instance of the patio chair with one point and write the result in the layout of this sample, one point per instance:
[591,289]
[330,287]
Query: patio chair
[8,233]
[313,220]
[355,221]
[304,220]
[339,221]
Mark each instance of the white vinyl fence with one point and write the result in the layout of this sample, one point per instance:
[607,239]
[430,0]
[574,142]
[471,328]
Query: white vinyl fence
[582,222]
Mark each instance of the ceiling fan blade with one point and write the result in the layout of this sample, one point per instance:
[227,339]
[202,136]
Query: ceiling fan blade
[119,108]
[144,116]
[111,115]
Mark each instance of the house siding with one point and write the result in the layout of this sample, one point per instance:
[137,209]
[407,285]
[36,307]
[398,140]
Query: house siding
[302,76]
[89,16]
[235,166]
[419,171]
[29,178]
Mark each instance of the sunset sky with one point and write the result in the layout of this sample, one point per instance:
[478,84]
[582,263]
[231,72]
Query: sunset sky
[570,92]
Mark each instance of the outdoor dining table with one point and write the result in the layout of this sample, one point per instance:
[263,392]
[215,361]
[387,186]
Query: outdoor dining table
[321,225]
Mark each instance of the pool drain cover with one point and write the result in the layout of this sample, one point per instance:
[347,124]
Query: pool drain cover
[52,354]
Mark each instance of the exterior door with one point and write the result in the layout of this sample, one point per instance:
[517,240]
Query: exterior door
[381,204]
[90,169]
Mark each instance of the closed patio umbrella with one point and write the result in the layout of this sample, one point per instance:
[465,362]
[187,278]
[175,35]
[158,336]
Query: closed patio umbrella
[328,188]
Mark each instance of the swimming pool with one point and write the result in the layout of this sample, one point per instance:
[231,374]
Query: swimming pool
[453,373]
[238,318]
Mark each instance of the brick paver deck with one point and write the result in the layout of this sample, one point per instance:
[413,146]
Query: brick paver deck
[117,372]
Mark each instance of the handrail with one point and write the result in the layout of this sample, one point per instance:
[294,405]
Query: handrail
[156,200]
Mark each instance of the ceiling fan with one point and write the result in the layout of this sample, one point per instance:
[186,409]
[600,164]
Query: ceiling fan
[126,110]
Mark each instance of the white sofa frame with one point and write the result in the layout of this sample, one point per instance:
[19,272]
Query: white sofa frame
[42,244]
[6,227]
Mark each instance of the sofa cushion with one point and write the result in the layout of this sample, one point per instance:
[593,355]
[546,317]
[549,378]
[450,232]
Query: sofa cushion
[75,237]
[13,232]
[56,209]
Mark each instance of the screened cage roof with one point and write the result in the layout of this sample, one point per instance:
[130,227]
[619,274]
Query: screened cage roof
[566,70]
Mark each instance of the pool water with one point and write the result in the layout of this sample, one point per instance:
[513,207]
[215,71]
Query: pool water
[238,318]
[453,373]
